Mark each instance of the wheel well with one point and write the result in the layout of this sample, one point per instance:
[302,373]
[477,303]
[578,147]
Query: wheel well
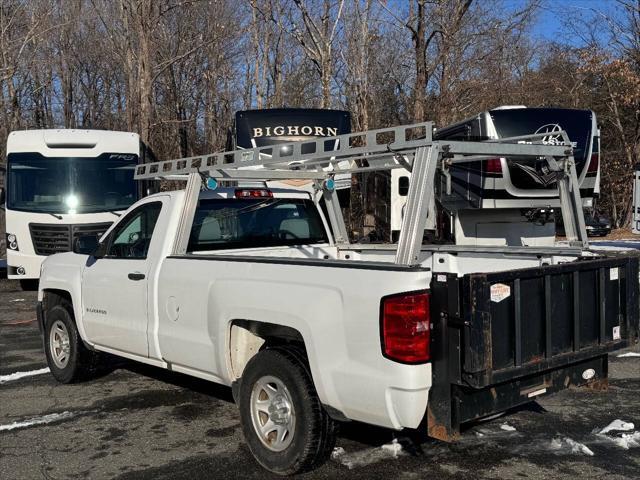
[248,337]
[53,297]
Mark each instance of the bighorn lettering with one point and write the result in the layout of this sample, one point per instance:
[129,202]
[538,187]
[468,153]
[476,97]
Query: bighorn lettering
[295,130]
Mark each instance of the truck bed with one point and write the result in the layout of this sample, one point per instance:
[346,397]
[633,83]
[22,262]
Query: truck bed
[438,258]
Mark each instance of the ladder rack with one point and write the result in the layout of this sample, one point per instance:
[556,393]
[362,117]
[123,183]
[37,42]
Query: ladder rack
[408,146]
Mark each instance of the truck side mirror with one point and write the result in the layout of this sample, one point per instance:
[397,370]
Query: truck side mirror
[1,197]
[86,245]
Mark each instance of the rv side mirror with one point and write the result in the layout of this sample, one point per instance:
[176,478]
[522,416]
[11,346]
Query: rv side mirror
[86,245]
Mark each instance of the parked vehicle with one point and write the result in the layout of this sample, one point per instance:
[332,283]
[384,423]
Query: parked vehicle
[273,126]
[61,184]
[506,187]
[250,288]
[596,225]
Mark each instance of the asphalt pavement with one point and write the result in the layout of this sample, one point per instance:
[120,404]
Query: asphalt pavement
[138,422]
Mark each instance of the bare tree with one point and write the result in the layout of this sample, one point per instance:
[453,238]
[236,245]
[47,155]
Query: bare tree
[314,25]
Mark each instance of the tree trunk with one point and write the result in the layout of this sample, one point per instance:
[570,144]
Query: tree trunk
[145,66]
[420,53]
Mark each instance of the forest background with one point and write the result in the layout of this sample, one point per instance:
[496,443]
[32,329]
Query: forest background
[176,71]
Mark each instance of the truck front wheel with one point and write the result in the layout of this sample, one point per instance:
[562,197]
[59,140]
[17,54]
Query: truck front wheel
[68,358]
[287,429]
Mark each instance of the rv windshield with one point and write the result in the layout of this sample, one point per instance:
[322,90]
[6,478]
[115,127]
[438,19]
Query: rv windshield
[70,184]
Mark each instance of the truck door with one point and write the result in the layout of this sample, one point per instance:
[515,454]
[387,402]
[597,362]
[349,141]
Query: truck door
[115,286]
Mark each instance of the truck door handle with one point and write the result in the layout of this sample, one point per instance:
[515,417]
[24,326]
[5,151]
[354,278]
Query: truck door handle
[136,276]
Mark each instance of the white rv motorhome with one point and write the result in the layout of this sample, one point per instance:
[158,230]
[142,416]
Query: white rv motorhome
[61,184]
[517,197]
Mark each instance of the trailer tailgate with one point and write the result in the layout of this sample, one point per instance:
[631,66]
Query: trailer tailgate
[519,322]
[501,339]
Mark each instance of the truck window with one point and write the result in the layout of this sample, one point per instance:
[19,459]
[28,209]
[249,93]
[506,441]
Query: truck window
[132,236]
[249,223]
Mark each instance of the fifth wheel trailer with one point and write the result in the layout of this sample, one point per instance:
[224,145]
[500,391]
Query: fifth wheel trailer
[507,189]
[273,126]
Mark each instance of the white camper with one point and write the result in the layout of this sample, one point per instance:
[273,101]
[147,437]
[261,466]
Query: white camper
[61,184]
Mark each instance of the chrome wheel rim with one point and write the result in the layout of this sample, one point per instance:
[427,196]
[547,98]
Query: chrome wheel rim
[272,413]
[59,344]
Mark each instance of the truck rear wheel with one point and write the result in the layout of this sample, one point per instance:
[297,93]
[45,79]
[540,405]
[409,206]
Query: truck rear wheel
[287,429]
[68,358]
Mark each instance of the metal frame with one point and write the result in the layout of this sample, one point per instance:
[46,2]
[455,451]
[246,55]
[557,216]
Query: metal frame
[407,146]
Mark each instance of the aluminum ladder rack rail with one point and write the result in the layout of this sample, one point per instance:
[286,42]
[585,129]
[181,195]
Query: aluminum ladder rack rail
[407,146]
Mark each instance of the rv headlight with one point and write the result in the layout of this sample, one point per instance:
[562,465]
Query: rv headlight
[72,202]
[12,241]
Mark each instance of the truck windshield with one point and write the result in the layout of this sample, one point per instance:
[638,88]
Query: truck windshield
[70,184]
[246,223]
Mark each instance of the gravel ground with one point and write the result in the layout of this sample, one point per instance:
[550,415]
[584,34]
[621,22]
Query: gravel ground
[139,422]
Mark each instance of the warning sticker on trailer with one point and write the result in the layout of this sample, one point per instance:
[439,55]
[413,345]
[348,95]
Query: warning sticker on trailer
[616,333]
[613,273]
[500,291]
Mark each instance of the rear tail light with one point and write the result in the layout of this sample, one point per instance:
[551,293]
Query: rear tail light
[594,163]
[253,193]
[405,327]
[493,165]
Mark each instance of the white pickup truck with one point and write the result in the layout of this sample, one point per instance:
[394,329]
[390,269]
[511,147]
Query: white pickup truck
[308,331]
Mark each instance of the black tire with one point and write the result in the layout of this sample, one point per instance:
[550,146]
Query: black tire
[81,363]
[314,434]
[29,285]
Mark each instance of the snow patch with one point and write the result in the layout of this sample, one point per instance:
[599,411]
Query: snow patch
[394,448]
[629,354]
[18,375]
[337,452]
[617,425]
[53,417]
[367,456]
[612,433]
[625,440]
[507,428]
[18,300]
[568,445]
